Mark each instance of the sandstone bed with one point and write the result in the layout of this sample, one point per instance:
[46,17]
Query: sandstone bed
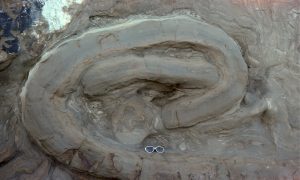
[216,83]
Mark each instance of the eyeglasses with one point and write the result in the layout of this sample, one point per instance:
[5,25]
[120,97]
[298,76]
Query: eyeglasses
[151,149]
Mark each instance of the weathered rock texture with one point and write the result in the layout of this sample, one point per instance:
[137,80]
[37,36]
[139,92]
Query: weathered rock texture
[216,83]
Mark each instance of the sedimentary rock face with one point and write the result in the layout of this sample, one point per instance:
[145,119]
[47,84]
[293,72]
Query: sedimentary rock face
[110,91]
[214,91]
[127,83]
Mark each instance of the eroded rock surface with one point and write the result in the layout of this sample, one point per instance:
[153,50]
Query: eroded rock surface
[215,83]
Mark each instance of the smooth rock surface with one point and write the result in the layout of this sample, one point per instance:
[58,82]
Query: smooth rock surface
[216,83]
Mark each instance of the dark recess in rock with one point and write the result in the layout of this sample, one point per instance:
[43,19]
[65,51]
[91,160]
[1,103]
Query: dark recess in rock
[11,27]
[23,21]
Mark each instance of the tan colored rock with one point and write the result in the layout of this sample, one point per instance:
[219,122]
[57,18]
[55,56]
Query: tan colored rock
[4,62]
[216,83]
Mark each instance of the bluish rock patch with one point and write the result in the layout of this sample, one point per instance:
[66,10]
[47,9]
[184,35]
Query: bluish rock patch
[24,19]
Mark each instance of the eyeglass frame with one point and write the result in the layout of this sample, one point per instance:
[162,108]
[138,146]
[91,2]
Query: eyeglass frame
[155,149]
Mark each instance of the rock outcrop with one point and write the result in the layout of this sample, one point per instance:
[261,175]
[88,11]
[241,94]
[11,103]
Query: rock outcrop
[216,83]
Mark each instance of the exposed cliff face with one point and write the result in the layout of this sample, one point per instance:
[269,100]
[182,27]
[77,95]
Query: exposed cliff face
[86,85]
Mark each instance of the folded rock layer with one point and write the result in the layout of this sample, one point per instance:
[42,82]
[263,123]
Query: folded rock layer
[145,76]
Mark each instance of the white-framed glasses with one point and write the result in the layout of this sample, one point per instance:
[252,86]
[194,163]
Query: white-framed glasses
[151,149]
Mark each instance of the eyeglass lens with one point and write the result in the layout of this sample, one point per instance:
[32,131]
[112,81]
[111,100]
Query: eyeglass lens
[159,149]
[149,149]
